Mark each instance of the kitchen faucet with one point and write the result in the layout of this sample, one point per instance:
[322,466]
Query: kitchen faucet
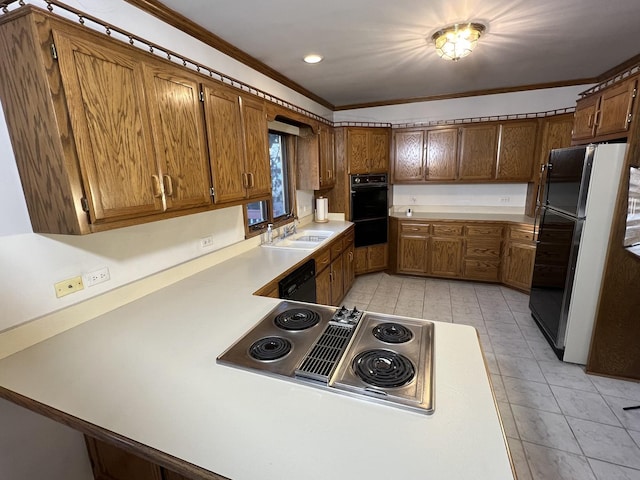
[290,229]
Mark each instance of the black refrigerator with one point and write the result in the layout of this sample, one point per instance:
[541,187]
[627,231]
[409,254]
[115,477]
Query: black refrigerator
[574,222]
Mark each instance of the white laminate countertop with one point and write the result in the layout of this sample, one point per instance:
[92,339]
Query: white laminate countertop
[148,371]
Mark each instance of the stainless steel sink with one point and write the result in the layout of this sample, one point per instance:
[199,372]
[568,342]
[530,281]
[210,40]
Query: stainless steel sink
[303,240]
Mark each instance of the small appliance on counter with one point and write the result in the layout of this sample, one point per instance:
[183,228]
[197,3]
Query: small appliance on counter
[380,358]
[322,210]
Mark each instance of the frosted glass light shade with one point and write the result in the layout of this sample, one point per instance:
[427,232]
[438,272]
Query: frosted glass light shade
[457,41]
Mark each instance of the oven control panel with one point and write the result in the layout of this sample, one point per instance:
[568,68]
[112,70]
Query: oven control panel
[346,317]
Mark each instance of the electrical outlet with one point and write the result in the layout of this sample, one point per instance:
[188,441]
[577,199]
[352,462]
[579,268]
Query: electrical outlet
[68,286]
[96,277]
[206,243]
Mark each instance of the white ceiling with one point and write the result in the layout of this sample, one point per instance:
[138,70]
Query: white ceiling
[381,50]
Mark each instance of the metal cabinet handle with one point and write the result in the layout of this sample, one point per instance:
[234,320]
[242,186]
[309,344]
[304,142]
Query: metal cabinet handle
[157,189]
[168,185]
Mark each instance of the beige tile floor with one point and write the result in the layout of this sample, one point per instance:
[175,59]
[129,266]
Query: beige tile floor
[561,423]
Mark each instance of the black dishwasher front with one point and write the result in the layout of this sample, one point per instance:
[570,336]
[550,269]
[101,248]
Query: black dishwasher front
[300,285]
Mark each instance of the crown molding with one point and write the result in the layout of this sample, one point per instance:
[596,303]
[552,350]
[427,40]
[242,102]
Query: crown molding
[473,93]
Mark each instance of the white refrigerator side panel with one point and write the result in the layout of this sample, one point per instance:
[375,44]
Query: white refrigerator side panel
[603,191]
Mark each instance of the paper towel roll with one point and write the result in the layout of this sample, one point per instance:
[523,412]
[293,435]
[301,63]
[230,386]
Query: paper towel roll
[322,209]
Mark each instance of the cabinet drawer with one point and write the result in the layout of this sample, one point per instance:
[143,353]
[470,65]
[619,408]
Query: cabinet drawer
[414,228]
[447,230]
[482,270]
[323,259]
[483,248]
[347,240]
[483,231]
[523,235]
[336,248]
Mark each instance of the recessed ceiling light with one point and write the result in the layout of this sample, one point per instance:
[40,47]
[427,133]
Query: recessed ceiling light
[313,58]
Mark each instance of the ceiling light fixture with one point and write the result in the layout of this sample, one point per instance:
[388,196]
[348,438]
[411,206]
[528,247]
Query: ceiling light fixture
[313,58]
[457,41]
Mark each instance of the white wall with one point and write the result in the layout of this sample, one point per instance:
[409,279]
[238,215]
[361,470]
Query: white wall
[498,198]
[530,101]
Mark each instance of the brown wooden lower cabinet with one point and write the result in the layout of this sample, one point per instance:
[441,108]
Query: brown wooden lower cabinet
[169,475]
[112,463]
[371,259]
[335,269]
[336,276]
[445,256]
[323,287]
[519,257]
[488,252]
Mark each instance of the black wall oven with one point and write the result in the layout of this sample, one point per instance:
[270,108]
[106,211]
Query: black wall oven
[369,208]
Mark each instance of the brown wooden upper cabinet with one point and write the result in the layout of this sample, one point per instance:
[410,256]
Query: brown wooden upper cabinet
[478,152]
[106,135]
[517,150]
[316,160]
[238,144]
[605,115]
[482,152]
[422,155]
[368,150]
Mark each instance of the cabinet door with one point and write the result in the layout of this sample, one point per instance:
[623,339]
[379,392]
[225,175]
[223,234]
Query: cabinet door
[224,136]
[337,280]
[323,287]
[327,157]
[361,255]
[445,256]
[584,118]
[107,105]
[377,257]
[408,158]
[256,139]
[358,150]
[412,257]
[478,152]
[616,105]
[556,133]
[112,463]
[379,150]
[179,135]
[517,150]
[442,154]
[518,265]
[349,268]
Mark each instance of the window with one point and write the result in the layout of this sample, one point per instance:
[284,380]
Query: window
[278,209]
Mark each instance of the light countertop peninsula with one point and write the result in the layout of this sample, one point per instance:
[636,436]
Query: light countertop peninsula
[145,374]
